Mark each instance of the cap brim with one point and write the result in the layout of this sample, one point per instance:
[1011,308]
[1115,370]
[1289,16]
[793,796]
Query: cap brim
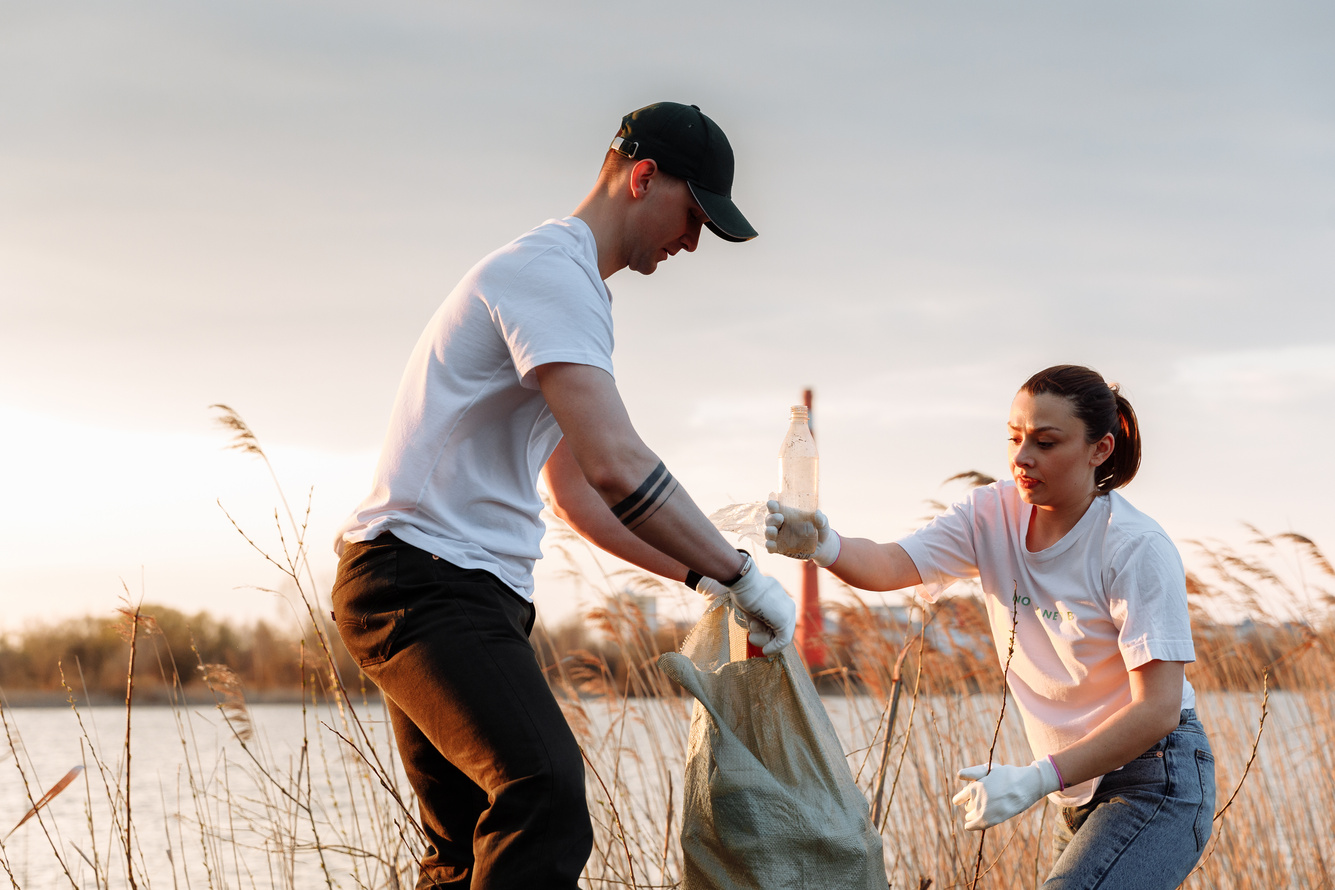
[725,220]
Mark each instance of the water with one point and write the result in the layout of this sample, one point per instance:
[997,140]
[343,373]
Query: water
[203,811]
[209,813]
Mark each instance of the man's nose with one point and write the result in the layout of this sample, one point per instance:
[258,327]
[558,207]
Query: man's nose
[692,237]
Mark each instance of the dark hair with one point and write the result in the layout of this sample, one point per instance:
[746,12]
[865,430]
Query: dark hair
[613,161]
[1102,409]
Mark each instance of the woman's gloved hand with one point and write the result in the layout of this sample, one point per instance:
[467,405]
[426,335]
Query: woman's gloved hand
[992,797]
[827,540]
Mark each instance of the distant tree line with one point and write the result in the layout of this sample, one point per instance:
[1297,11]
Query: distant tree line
[89,656]
[610,650]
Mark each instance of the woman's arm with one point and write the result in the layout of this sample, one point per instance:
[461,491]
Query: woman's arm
[996,794]
[860,562]
[1154,712]
[867,565]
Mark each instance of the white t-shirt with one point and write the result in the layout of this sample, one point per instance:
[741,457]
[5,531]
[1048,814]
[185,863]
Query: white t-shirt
[470,430]
[1108,597]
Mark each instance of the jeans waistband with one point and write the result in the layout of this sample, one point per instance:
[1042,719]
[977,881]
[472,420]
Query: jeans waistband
[1187,716]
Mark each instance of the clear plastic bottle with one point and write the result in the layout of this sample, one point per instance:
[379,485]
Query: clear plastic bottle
[799,475]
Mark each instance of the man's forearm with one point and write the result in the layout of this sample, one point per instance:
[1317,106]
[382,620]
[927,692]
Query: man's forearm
[678,528]
[632,481]
[580,507]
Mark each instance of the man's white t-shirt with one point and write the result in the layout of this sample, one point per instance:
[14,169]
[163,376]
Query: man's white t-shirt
[1108,597]
[470,430]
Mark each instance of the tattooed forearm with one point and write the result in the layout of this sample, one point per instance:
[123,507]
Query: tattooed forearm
[652,494]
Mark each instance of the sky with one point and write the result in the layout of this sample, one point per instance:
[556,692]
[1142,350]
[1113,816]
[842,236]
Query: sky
[260,204]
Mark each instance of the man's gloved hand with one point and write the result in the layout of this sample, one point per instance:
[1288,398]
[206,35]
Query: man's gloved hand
[758,632]
[711,589]
[771,613]
[827,546]
[991,798]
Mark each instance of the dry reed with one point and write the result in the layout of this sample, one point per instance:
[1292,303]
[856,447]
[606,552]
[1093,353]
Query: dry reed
[337,811]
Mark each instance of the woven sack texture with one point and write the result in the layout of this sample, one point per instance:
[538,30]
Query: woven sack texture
[769,800]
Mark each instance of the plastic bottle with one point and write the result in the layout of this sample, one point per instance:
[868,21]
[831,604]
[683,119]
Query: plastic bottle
[799,476]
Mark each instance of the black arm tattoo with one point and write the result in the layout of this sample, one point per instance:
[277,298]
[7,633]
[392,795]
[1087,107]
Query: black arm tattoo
[652,494]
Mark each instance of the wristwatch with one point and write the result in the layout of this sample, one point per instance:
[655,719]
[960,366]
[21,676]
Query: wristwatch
[693,578]
[746,567]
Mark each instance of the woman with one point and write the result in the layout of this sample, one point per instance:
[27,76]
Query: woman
[1094,593]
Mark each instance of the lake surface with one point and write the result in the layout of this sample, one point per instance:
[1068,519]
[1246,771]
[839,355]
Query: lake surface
[210,812]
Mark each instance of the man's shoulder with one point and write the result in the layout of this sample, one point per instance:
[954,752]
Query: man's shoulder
[569,237]
[557,247]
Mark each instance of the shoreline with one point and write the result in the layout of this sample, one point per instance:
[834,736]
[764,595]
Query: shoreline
[32,698]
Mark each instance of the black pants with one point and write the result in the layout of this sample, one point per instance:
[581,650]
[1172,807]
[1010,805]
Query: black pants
[498,774]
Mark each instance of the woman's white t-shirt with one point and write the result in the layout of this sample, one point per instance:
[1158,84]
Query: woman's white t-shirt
[1108,597]
[470,430]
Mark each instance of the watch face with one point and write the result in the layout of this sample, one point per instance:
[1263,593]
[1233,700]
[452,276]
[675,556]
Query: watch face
[747,562]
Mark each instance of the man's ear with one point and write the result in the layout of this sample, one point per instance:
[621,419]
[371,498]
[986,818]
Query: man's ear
[640,177]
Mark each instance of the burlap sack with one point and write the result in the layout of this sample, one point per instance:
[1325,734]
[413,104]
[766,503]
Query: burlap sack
[769,801]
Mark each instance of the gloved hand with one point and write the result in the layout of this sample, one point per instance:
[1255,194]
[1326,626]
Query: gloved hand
[758,632]
[827,546]
[771,613]
[711,589]
[993,797]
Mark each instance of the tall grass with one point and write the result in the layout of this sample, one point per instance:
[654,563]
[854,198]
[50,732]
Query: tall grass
[914,694]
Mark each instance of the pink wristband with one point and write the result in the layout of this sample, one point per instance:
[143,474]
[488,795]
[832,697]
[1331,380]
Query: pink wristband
[1060,780]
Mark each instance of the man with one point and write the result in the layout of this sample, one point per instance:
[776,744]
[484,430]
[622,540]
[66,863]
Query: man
[513,375]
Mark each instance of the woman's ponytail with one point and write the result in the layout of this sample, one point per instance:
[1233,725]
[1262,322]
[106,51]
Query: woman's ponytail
[1121,466]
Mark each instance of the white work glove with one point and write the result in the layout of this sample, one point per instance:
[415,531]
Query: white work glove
[771,614]
[758,632]
[991,798]
[827,541]
[711,589]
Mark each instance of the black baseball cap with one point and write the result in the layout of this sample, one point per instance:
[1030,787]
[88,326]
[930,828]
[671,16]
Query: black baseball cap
[687,144]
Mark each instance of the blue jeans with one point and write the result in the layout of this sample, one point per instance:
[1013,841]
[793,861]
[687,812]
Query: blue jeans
[1148,822]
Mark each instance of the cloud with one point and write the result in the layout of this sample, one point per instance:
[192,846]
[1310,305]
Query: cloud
[261,203]
[1288,375]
